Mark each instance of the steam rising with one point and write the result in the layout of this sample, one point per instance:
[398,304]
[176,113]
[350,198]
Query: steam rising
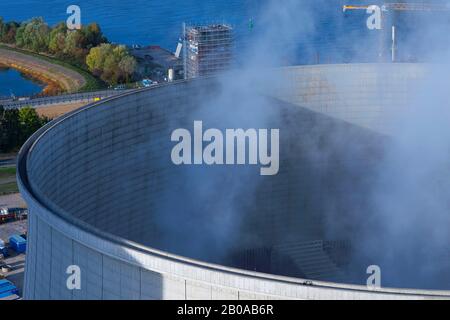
[212,201]
[408,235]
[402,220]
[411,194]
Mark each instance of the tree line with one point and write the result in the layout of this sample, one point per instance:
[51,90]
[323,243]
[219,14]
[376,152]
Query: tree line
[86,48]
[17,125]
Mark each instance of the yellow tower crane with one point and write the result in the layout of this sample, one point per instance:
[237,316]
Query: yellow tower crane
[404,6]
[399,6]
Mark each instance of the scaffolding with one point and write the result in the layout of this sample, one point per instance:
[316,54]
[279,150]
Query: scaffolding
[207,49]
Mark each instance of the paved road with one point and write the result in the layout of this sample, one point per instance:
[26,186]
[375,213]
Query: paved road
[65,98]
[8,162]
[16,261]
[13,200]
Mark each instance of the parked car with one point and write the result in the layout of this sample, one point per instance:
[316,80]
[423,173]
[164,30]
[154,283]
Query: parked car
[6,214]
[148,83]
[120,87]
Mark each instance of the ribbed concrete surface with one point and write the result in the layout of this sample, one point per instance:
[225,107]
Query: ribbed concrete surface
[362,94]
[104,195]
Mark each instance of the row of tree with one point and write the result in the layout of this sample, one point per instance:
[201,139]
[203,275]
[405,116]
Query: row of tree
[86,48]
[112,64]
[16,126]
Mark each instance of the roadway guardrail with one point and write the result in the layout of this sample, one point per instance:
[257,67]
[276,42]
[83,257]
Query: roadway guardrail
[60,99]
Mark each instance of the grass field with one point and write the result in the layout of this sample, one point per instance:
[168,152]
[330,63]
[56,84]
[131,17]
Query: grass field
[7,172]
[8,182]
[8,188]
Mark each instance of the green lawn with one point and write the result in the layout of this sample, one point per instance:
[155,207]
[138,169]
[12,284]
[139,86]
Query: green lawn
[8,188]
[8,182]
[7,173]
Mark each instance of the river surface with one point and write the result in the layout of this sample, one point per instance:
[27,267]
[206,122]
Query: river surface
[13,82]
[338,37]
[159,22]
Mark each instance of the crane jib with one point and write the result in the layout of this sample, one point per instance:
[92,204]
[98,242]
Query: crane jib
[404,7]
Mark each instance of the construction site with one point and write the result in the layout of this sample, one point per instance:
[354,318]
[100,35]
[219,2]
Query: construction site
[361,185]
[392,20]
[302,234]
[208,49]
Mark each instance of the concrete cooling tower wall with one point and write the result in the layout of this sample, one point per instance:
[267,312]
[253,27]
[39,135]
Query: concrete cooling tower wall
[104,195]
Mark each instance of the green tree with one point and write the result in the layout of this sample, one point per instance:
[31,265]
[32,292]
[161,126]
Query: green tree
[96,58]
[33,35]
[73,47]
[8,32]
[57,39]
[29,122]
[9,129]
[93,36]
[4,136]
[128,66]
[79,42]
[68,45]
[2,27]
[112,64]
[16,126]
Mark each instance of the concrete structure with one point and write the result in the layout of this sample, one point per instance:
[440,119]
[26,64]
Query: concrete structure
[83,97]
[155,62]
[208,49]
[103,193]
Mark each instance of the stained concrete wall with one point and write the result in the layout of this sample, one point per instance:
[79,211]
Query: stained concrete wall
[95,181]
[111,270]
[367,95]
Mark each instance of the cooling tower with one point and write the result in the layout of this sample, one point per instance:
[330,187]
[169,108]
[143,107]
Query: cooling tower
[104,195]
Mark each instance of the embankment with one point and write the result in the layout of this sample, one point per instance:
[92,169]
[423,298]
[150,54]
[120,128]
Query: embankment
[57,77]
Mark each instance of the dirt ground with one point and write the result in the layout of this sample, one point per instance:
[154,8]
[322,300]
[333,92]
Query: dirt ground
[12,201]
[55,111]
[10,228]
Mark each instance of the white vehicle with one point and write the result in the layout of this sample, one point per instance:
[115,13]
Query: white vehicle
[120,87]
[148,83]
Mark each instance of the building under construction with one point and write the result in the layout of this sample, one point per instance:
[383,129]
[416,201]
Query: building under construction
[208,49]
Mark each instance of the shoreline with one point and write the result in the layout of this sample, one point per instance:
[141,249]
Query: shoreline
[49,86]
[57,78]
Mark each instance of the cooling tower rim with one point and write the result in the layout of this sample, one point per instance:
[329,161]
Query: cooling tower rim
[374,65]
[85,233]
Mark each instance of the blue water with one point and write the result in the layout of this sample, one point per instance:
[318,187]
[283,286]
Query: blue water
[159,21]
[138,21]
[12,81]
[338,37]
